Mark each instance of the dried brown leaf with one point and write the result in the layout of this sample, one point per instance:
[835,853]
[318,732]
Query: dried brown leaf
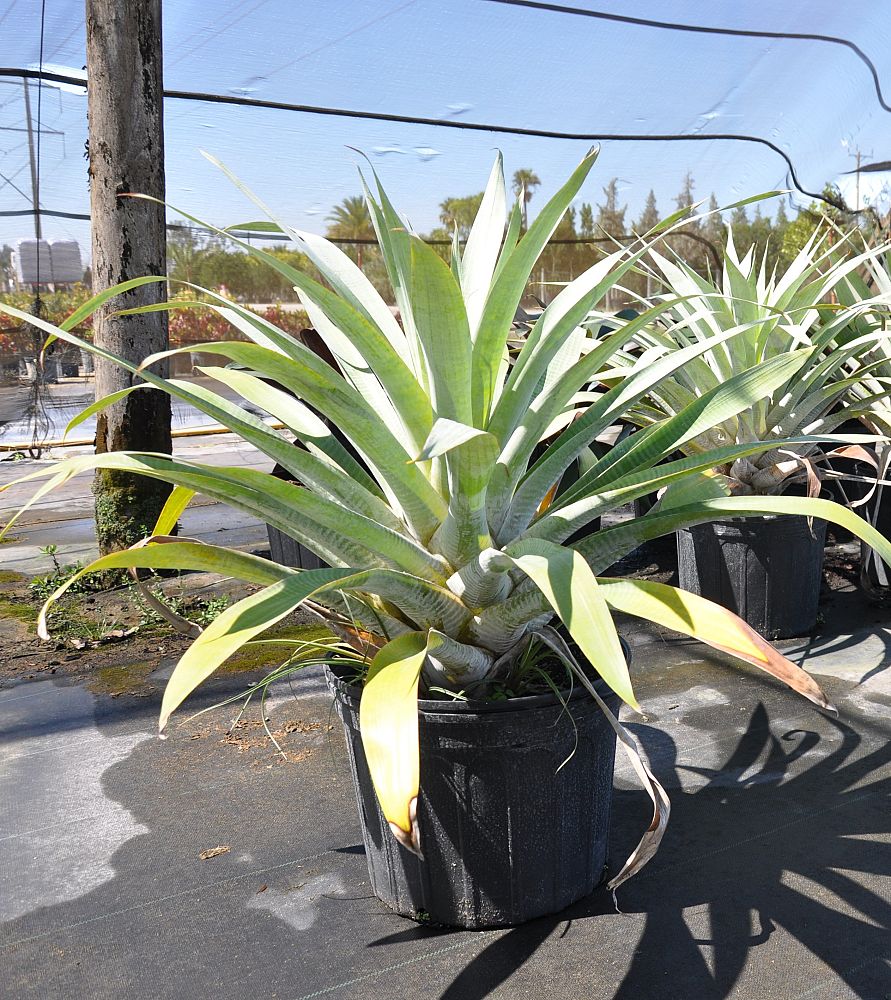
[214,852]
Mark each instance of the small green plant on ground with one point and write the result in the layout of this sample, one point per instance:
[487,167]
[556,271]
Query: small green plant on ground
[201,611]
[70,620]
[42,586]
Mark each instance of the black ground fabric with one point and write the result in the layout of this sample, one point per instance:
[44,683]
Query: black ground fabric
[774,878]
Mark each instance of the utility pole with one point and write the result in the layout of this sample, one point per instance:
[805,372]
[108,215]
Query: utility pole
[36,402]
[35,179]
[126,154]
[858,156]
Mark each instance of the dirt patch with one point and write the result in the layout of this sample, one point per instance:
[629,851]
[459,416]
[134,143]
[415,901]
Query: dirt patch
[259,656]
[118,679]
[250,734]
[113,641]
[21,611]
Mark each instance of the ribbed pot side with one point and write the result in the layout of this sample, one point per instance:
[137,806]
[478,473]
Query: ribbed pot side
[767,570]
[507,833]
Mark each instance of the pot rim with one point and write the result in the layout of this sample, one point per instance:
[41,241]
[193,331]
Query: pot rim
[753,520]
[431,706]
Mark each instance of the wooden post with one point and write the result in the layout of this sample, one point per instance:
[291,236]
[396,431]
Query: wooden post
[126,154]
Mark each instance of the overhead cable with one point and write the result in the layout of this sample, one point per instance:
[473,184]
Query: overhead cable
[703,29]
[592,137]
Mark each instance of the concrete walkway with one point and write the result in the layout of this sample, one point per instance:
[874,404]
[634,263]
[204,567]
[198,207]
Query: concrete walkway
[64,518]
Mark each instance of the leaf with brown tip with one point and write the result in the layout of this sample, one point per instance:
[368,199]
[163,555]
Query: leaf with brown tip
[709,622]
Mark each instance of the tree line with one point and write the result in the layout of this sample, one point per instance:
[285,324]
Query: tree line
[582,237]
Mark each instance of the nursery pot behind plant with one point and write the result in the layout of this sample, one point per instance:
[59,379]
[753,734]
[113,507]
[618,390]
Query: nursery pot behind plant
[875,577]
[507,833]
[285,550]
[765,569]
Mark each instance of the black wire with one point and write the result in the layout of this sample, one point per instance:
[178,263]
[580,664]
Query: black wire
[251,102]
[38,74]
[504,129]
[701,29]
[343,241]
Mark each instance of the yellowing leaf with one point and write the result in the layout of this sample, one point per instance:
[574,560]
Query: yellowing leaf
[388,722]
[237,625]
[180,498]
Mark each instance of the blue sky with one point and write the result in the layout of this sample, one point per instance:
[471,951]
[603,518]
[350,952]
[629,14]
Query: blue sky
[464,60]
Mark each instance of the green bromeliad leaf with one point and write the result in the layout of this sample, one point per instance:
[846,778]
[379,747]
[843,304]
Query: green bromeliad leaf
[483,245]
[183,555]
[440,319]
[692,615]
[574,593]
[237,625]
[507,289]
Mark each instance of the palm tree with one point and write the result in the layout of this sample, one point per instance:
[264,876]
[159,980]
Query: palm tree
[524,183]
[184,253]
[350,221]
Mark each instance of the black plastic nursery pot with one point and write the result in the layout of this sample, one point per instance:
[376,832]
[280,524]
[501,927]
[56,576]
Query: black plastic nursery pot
[875,575]
[767,570]
[283,549]
[287,552]
[508,834]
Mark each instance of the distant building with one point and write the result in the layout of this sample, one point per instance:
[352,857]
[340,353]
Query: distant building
[49,262]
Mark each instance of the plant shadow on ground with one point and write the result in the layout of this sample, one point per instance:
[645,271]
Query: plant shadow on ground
[158,809]
[759,845]
[772,850]
[846,614]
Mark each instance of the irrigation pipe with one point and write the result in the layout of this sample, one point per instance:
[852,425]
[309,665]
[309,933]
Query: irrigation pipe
[189,432]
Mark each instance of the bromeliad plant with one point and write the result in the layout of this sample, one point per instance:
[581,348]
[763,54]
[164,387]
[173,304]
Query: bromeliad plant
[872,394]
[835,379]
[448,564]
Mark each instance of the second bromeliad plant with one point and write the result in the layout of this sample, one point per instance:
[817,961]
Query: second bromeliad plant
[451,579]
[768,569]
